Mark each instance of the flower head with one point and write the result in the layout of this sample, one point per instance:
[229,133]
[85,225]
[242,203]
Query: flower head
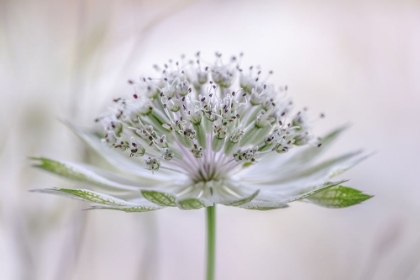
[200,134]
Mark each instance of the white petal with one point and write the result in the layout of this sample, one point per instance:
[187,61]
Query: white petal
[233,193]
[262,205]
[309,154]
[295,158]
[127,209]
[241,201]
[314,175]
[105,201]
[282,197]
[118,160]
[86,195]
[89,174]
[309,191]
[134,181]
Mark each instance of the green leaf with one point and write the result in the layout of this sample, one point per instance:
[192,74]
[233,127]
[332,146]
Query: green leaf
[192,203]
[242,200]
[131,209]
[86,195]
[160,198]
[337,197]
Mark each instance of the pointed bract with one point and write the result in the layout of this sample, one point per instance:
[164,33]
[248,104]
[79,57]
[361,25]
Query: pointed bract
[337,197]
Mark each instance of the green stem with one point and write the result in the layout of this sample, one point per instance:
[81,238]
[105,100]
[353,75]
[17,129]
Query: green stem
[211,241]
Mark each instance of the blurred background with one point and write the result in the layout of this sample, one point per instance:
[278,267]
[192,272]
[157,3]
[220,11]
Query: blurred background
[356,61]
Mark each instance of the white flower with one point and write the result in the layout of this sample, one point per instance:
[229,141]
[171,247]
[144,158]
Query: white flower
[202,135]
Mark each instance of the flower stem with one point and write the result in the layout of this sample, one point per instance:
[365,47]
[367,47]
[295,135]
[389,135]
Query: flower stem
[211,241]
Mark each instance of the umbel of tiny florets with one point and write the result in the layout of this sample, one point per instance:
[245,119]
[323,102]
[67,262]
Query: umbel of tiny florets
[197,133]
[205,122]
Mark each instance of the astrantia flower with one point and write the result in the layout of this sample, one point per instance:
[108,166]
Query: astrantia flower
[201,134]
[205,134]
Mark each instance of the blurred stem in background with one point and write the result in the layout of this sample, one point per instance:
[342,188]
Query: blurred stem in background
[78,222]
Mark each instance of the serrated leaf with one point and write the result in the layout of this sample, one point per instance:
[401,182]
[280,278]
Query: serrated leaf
[78,173]
[160,198]
[86,195]
[129,209]
[192,203]
[242,200]
[337,197]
